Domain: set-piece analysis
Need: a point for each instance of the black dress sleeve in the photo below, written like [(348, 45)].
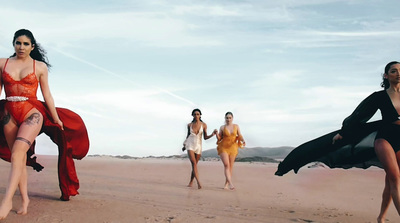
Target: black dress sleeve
[(364, 111), (356, 149)]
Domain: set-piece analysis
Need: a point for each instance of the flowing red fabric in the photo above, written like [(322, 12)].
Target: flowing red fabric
[(72, 142)]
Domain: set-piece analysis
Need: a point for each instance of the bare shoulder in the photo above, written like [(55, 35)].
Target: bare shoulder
[(41, 68), (2, 63), (204, 125)]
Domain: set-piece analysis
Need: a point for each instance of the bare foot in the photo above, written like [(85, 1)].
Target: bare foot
[(198, 186), (5, 209), (190, 184), (229, 187), (226, 187), (381, 220), (23, 210)]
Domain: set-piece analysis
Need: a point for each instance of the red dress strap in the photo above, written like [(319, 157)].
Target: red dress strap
[(34, 65), (5, 65)]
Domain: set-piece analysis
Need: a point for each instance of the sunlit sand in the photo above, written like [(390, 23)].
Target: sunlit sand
[(155, 190)]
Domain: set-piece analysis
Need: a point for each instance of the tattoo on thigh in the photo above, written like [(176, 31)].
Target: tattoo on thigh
[(24, 140), (6, 119), (33, 119)]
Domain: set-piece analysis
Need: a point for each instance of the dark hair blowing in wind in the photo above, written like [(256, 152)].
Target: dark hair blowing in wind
[(38, 53)]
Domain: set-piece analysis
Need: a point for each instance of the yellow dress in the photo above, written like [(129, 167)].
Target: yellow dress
[(229, 143)]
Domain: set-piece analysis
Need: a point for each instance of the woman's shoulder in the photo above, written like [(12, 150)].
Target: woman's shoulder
[(378, 94), (2, 62), (40, 66)]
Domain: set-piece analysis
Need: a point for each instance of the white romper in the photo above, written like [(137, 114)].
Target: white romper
[(193, 142)]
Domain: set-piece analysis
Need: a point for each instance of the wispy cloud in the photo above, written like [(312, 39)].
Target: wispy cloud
[(123, 78), (203, 11), (357, 34), (148, 28)]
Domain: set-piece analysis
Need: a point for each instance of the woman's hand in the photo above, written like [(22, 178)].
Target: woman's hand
[(215, 132), (60, 123), (336, 138)]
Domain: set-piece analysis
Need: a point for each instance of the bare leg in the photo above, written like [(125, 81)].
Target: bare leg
[(386, 200), (18, 155), (23, 188), (227, 170), (192, 175), (230, 171), (231, 162), (389, 160), (194, 159), (20, 143)]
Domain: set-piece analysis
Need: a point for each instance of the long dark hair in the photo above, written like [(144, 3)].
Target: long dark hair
[(38, 53), (385, 82), (196, 110)]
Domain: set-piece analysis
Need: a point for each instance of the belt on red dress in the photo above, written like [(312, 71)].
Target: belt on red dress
[(17, 98)]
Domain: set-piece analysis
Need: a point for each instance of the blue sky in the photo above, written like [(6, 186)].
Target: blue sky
[(134, 70)]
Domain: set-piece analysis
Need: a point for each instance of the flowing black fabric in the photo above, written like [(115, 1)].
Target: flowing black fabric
[(356, 150)]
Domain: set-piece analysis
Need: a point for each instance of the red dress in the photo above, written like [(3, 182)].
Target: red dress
[(73, 142)]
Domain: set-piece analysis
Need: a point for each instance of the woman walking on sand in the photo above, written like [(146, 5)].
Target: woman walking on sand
[(229, 138), (24, 117), (342, 148), (193, 143)]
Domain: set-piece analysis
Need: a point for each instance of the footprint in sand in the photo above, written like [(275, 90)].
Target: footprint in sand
[(302, 220), (169, 219), (153, 219), (47, 218), (211, 217)]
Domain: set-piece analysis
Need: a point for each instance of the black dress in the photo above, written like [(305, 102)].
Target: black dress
[(356, 149)]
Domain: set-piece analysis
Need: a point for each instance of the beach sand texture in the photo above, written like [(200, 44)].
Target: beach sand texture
[(155, 190)]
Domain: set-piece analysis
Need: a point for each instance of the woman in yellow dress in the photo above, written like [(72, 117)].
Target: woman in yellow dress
[(229, 140)]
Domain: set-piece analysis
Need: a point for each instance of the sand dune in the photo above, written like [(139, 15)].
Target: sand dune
[(154, 190)]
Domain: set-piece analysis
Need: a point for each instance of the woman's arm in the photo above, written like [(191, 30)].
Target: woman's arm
[(188, 133), (240, 136), (364, 111), (205, 136), (41, 69), (188, 130), (2, 63), (220, 134)]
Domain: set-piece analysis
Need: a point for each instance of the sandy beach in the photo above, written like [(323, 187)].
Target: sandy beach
[(155, 190)]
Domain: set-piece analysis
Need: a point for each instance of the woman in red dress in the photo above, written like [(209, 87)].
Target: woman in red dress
[(24, 118)]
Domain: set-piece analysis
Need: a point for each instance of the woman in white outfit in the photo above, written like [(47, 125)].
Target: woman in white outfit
[(192, 144)]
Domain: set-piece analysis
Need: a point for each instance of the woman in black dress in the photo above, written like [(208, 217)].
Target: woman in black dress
[(353, 146)]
